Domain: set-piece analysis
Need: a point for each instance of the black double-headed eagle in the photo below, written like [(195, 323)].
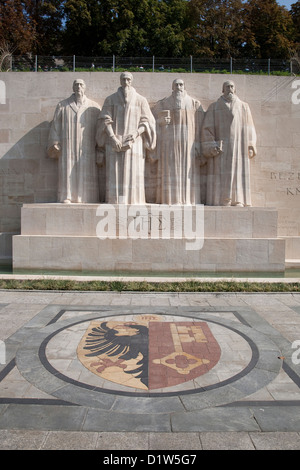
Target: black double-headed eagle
[(105, 340)]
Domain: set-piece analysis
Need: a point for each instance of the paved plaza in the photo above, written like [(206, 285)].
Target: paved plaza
[(149, 371)]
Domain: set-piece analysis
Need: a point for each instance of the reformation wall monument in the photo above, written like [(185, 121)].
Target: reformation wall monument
[(149, 172)]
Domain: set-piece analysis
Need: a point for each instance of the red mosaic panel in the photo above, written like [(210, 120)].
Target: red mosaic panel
[(180, 352)]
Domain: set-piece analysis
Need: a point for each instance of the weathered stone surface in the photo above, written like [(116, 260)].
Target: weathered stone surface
[(27, 175)]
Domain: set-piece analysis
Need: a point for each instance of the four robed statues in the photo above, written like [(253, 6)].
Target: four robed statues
[(186, 142)]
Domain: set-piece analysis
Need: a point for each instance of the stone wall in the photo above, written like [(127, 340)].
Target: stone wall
[(28, 101)]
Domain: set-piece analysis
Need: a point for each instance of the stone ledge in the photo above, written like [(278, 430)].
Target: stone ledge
[(148, 255), (292, 248), (82, 220), (292, 263)]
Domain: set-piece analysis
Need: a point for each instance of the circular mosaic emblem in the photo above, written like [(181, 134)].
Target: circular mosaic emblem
[(153, 354), (84, 359)]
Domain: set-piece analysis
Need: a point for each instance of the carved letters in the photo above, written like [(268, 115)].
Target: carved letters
[(285, 175), (288, 176)]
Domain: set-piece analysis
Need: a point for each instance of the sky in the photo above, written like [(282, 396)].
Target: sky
[(286, 3)]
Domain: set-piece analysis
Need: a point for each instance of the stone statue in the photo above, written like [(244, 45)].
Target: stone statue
[(179, 118), (126, 131), (228, 141), (72, 140)]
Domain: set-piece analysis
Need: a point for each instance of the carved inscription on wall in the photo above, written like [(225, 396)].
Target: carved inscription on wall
[(291, 177), (287, 227)]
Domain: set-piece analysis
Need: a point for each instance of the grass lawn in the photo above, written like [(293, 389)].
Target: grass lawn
[(145, 286)]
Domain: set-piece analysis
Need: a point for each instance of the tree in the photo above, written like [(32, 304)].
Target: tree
[(168, 29), (295, 52), (17, 31), (125, 27), (216, 28), (269, 30), (78, 35), (165, 28), (295, 12), (31, 26), (130, 26), (46, 17)]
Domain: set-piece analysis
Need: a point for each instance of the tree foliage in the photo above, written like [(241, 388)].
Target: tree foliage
[(17, 30), (295, 12), (270, 29), (216, 28), (125, 27), (165, 28)]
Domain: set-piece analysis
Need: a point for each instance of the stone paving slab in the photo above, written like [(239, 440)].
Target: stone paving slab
[(12, 439), (249, 403)]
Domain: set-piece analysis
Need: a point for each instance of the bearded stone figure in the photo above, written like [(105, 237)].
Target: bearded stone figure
[(72, 141), (179, 118), (126, 131), (228, 142)]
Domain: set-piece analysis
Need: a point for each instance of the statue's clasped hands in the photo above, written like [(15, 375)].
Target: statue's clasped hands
[(131, 138), (117, 143), (127, 140)]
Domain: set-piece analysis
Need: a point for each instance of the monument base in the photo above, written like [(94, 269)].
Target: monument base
[(149, 239), (292, 252), (6, 248)]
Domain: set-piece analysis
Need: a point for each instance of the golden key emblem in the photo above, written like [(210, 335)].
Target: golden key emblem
[(180, 360)]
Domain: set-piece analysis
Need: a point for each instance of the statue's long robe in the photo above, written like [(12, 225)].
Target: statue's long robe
[(74, 129), (177, 143), (125, 170), (228, 174)]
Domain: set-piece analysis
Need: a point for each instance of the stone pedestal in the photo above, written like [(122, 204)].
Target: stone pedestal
[(148, 239), (292, 252), (6, 248)]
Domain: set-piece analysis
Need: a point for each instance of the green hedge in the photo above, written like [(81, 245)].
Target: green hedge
[(145, 286)]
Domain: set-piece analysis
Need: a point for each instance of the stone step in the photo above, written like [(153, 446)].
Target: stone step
[(84, 253), (292, 263), (292, 245), (150, 220)]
